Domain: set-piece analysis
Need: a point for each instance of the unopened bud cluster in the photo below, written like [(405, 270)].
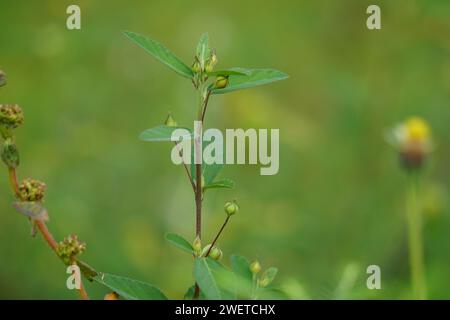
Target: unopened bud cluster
[(9, 153), (69, 248), (2, 78), (214, 252), (31, 190), (11, 116)]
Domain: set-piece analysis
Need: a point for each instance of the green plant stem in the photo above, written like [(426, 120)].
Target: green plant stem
[(217, 236), (415, 240)]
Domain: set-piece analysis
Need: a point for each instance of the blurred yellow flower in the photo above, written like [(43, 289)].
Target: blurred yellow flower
[(413, 140)]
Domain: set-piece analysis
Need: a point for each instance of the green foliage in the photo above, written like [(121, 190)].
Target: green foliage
[(220, 184), (256, 77), (231, 72), (203, 274), (130, 289), (161, 53), (241, 267), (179, 242), (161, 133), (203, 50)]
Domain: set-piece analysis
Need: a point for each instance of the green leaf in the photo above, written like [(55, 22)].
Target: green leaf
[(241, 267), (270, 274), (203, 50), (160, 52), (203, 274), (257, 77), (179, 242), (33, 210), (189, 295), (162, 133), (130, 289), (224, 183), (231, 72), (87, 270), (243, 277)]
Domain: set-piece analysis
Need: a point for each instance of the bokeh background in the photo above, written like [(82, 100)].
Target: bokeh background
[(338, 202)]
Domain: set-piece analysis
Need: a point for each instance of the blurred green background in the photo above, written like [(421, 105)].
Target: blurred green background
[(337, 204)]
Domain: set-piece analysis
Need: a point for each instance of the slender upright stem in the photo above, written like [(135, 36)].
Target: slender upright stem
[(217, 236), (415, 240)]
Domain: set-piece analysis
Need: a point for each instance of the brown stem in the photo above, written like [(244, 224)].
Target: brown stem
[(13, 181), (46, 234), (187, 170), (217, 236), (42, 227), (198, 202), (205, 105)]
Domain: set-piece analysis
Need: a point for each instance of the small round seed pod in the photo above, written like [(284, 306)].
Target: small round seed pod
[(221, 82), (255, 267), (31, 190), (231, 208), (11, 116), (216, 253), (10, 154)]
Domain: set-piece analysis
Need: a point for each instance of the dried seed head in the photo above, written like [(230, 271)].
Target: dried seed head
[(11, 116), (10, 154), (69, 248), (31, 190), (2, 78)]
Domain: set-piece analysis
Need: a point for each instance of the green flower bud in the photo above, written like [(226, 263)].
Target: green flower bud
[(231, 208), (69, 248), (211, 62), (216, 253), (255, 267), (31, 190), (196, 66), (10, 154), (11, 116), (2, 78), (221, 82), (197, 245), (170, 121)]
